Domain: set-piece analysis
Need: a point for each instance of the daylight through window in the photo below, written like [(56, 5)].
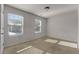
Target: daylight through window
[(15, 24), (37, 26)]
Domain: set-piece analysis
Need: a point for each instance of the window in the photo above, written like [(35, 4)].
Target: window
[(37, 26), (15, 24)]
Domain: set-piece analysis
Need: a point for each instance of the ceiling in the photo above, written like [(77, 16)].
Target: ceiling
[(38, 9)]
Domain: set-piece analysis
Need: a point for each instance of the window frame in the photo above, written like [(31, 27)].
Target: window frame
[(17, 34), (38, 25)]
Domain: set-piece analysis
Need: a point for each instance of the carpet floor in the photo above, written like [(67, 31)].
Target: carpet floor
[(41, 46)]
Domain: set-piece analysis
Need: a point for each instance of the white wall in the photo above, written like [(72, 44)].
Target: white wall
[(64, 26), (28, 27)]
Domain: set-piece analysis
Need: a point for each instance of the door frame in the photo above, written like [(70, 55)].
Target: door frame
[(2, 28)]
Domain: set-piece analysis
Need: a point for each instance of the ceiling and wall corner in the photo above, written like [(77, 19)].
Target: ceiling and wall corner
[(39, 9)]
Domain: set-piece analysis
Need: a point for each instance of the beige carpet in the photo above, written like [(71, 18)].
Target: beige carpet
[(51, 41), (31, 50), (69, 44), (40, 46), (47, 53), (64, 43)]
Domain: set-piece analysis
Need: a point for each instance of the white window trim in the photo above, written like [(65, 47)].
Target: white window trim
[(21, 25), (39, 25)]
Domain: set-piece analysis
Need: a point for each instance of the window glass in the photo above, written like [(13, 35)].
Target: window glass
[(37, 26), (15, 24)]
